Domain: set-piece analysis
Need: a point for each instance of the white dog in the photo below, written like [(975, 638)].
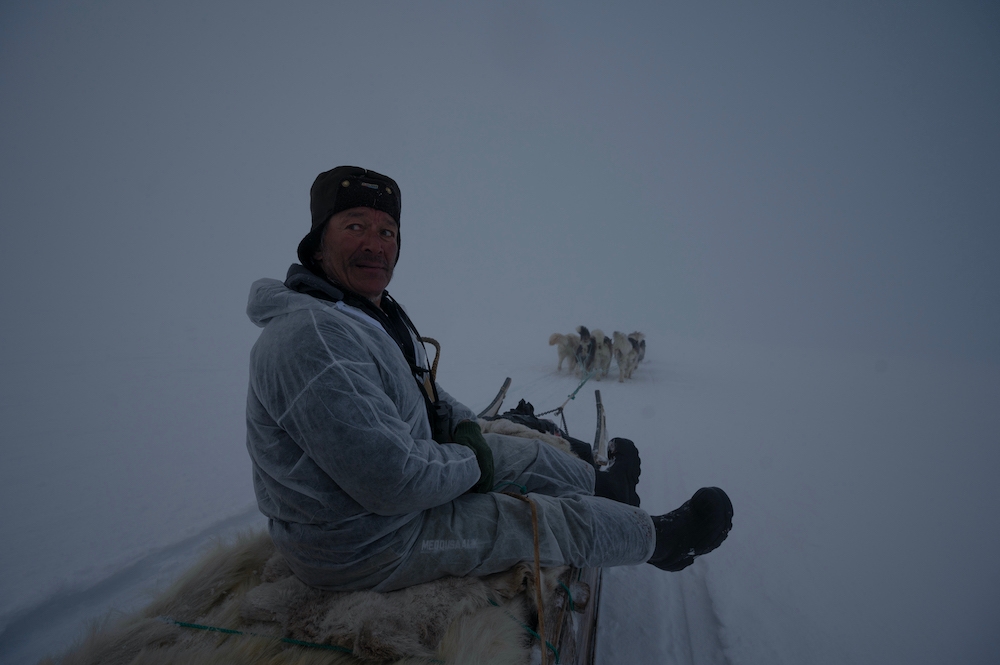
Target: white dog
[(626, 354), (593, 353), (566, 345)]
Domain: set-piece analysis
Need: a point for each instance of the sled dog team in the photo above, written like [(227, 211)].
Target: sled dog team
[(591, 351)]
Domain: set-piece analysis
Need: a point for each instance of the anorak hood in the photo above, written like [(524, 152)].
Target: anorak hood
[(270, 298)]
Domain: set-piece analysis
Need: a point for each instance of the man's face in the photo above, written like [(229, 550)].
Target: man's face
[(359, 250)]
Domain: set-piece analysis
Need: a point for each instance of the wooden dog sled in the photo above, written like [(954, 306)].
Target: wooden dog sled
[(241, 604)]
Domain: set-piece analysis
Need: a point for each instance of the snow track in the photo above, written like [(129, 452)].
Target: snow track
[(678, 624), (53, 625), (703, 640)]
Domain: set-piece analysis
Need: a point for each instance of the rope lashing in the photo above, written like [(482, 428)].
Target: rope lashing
[(538, 569), (562, 614), (569, 595)]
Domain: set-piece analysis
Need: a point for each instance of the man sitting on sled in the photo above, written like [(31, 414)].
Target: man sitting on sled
[(372, 476)]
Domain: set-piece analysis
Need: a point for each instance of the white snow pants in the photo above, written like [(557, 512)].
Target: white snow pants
[(480, 534)]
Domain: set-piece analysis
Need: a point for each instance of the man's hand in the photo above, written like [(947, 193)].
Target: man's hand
[(468, 434)]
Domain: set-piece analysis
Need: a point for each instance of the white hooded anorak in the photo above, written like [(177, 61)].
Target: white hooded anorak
[(337, 428)]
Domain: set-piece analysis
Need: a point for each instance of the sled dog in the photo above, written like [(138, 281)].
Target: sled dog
[(586, 351), (594, 353), (602, 353), (566, 345), (640, 340), (626, 350)]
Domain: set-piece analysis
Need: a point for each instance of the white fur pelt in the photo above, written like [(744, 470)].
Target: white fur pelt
[(246, 585), (502, 426), (566, 345)]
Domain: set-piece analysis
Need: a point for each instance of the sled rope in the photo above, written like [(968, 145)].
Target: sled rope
[(230, 631), (437, 356), (538, 570), (562, 613), (560, 410), (569, 595), (286, 640)]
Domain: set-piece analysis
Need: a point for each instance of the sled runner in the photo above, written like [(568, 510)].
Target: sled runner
[(601, 437), (494, 407), (242, 604)]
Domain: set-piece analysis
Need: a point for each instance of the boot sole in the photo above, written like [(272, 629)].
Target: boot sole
[(713, 506)]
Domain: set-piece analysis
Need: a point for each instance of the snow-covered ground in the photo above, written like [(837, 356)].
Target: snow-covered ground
[(863, 488)]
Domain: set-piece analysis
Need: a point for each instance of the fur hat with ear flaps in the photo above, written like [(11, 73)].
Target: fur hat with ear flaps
[(343, 188)]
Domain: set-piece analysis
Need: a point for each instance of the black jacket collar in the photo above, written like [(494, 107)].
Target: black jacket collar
[(305, 281)]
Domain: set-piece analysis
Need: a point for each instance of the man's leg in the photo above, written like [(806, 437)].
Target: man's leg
[(541, 468), (538, 467), (619, 479), (480, 534)]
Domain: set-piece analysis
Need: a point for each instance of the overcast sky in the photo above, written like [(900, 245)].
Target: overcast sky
[(786, 173)]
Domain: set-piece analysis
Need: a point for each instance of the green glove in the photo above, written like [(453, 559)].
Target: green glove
[(468, 434)]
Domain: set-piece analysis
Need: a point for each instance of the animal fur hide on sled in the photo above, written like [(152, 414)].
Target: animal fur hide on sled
[(247, 586), (503, 426)]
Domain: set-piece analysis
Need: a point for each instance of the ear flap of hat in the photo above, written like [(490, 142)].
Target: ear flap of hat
[(307, 248)]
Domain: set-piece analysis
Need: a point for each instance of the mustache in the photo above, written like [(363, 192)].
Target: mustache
[(369, 260)]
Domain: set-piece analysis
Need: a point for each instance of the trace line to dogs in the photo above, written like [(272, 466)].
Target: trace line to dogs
[(560, 410)]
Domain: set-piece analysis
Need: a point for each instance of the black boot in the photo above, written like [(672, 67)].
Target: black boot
[(619, 480), (696, 528)]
